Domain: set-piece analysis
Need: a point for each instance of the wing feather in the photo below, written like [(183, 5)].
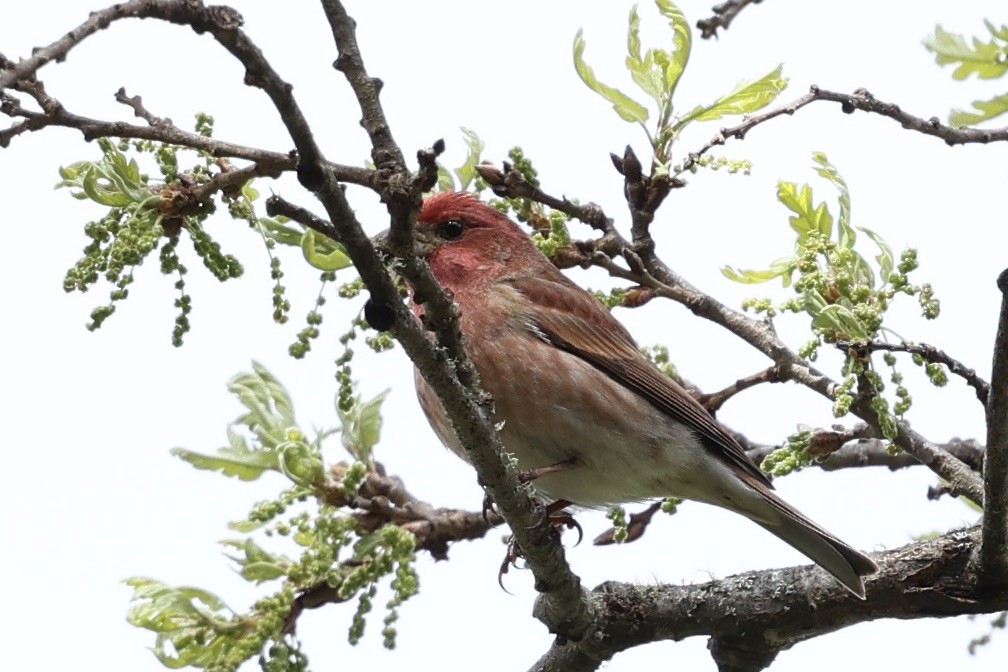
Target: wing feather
[(568, 319)]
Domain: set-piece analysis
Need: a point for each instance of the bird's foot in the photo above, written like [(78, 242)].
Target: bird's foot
[(558, 519)]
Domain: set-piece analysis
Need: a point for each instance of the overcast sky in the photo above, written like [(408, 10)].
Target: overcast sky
[(91, 495)]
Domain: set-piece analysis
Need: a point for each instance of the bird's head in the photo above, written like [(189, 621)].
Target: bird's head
[(465, 241)]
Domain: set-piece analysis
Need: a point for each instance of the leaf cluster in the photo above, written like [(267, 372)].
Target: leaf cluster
[(986, 59), (142, 215), (195, 627), (657, 73), (846, 295)]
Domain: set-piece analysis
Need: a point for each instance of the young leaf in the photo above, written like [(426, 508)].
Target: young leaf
[(807, 218), (683, 41), (1000, 33), (467, 171), (323, 253), (988, 109), (641, 68), (986, 60), (277, 229), (746, 97), (827, 170), (885, 258), (361, 426), (244, 465), (781, 268), (626, 107)]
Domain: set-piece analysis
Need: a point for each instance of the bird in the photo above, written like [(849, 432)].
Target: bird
[(575, 400)]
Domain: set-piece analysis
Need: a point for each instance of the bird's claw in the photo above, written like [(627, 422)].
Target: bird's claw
[(488, 506), (559, 518)]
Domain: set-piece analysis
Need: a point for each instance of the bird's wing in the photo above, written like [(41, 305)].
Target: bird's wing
[(570, 319)]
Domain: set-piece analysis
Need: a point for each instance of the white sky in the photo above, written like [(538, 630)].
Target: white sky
[(91, 495)]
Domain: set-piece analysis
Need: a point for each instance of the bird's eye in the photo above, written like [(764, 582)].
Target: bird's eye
[(450, 229)]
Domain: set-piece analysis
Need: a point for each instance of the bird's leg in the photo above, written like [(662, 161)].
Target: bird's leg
[(554, 513), (635, 528), (529, 475)]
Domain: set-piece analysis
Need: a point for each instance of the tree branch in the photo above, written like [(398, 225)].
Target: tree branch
[(859, 100), (715, 400), (994, 545), (930, 354), (55, 113), (447, 368), (724, 14), (871, 452), (772, 610), (277, 205)]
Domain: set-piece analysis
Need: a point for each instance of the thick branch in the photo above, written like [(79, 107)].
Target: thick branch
[(771, 610), (994, 547), (446, 368)]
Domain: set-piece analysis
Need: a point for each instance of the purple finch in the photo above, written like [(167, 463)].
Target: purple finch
[(576, 397)]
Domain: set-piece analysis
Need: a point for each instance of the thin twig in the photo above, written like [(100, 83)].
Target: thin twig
[(713, 401), (724, 14), (859, 100), (931, 354), (135, 103), (277, 205), (994, 543), (55, 113)]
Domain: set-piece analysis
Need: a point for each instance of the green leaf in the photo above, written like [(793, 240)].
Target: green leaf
[(105, 194), (641, 68), (626, 107), (277, 229), (988, 109), (1000, 33), (258, 565), (745, 98), (466, 173), (807, 218), (986, 60), (885, 258), (781, 268), (249, 192), (361, 426), (837, 318), (682, 38), (846, 235), (445, 179), (244, 465), (323, 252)]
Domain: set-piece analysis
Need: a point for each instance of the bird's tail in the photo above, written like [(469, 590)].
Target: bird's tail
[(847, 564)]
